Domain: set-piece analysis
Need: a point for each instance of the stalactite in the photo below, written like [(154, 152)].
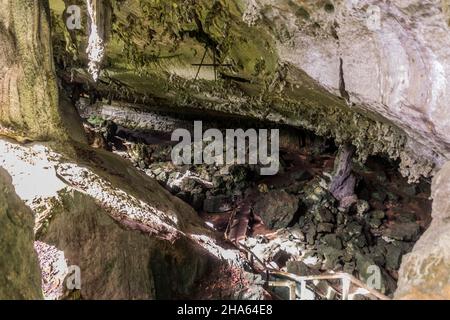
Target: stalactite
[(342, 185), (95, 49)]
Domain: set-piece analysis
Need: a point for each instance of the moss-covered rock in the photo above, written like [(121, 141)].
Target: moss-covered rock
[(29, 98), (20, 276), (152, 45), (117, 262)]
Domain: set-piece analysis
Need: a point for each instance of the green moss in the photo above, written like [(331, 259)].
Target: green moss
[(150, 36), (37, 117), (151, 43), (20, 276), (96, 121), (301, 12)]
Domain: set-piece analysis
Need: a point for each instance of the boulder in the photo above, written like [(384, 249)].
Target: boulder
[(393, 256), (369, 272), (358, 241), (362, 207), (325, 227), (378, 254), (377, 214), (332, 241), (128, 237), (331, 256), (374, 218), (408, 231), (311, 232), (323, 215), (353, 229), (319, 202), (379, 195), (276, 208)]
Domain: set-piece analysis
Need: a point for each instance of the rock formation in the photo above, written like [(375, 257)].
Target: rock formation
[(20, 276), (424, 272), (355, 85)]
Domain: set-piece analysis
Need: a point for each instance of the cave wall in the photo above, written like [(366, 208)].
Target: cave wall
[(320, 65), (28, 88), (424, 273), (32, 110), (117, 262), (409, 122), (129, 237), (20, 275), (388, 57)]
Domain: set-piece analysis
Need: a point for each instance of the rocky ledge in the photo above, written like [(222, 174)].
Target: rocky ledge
[(127, 240)]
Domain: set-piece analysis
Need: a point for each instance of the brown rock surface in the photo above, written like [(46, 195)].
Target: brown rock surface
[(19, 268), (424, 273), (117, 262)]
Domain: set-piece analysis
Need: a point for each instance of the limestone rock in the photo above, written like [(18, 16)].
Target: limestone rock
[(403, 231), (325, 227), (332, 240), (117, 262), (130, 238), (20, 275), (384, 59), (331, 256), (276, 208), (362, 206), (375, 60), (393, 256), (423, 273)]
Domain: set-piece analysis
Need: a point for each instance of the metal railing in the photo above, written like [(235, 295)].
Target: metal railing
[(290, 280), (347, 280)]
